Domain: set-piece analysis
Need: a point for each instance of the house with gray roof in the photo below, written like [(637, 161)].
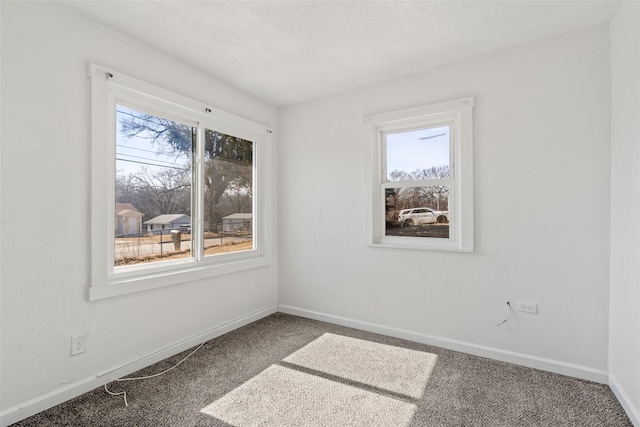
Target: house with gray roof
[(167, 222), (237, 221)]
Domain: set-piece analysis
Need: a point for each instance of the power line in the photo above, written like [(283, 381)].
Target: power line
[(151, 160), (159, 122), (138, 149), (434, 136), (151, 164)]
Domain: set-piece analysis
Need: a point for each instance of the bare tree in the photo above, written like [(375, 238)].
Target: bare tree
[(239, 195), (432, 196), (156, 192)]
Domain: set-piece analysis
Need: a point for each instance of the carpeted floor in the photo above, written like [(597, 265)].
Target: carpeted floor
[(289, 371)]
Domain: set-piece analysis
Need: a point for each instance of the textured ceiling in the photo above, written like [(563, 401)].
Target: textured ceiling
[(289, 51)]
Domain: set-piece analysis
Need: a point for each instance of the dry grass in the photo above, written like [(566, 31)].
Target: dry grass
[(229, 247), (211, 250)]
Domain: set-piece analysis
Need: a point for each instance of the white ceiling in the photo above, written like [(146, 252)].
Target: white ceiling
[(289, 51)]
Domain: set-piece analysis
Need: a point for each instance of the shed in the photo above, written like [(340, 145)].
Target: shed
[(128, 220)]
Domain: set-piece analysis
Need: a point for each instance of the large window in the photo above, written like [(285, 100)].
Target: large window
[(177, 188), (420, 177)]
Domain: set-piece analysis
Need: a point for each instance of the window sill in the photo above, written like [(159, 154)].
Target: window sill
[(129, 285), (430, 246)]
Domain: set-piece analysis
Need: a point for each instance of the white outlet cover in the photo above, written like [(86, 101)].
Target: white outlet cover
[(78, 344), (528, 307)]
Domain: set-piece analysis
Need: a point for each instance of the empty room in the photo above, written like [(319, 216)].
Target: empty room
[(320, 213)]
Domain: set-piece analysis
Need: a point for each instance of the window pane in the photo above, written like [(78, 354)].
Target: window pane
[(418, 154), (228, 194), (417, 211), (154, 158)]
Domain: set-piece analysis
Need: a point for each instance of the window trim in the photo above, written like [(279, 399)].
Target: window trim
[(106, 84), (458, 113)]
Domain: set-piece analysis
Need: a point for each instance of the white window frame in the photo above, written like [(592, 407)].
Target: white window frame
[(108, 87), (458, 115)]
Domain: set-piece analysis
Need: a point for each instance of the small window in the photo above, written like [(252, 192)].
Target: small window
[(421, 186), (178, 188)]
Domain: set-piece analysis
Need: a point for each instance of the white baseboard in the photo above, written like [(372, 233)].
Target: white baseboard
[(527, 360), (56, 397), (632, 410)]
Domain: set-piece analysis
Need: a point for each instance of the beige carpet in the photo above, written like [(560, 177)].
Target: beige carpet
[(284, 397), (395, 369), (296, 395)]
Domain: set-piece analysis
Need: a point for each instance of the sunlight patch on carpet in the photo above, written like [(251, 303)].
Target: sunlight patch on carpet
[(390, 368), (284, 397)]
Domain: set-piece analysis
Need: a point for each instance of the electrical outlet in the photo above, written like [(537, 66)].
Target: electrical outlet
[(528, 307), (78, 344)]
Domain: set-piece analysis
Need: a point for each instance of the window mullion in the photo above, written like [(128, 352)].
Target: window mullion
[(199, 196)]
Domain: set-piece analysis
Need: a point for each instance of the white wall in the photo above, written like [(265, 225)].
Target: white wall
[(45, 182), (624, 327), (542, 194), (542, 190)]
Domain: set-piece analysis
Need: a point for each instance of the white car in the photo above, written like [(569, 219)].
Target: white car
[(419, 216)]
